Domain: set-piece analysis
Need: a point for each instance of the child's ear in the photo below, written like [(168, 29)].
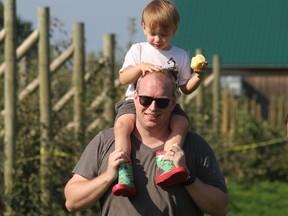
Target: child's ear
[(143, 26)]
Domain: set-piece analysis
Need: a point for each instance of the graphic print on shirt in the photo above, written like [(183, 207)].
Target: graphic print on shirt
[(172, 68)]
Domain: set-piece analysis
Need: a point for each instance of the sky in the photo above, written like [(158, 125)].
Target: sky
[(99, 17)]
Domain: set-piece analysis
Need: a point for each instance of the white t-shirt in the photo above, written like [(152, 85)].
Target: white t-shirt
[(145, 53)]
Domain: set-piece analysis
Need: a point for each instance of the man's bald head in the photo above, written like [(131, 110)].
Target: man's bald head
[(164, 77)]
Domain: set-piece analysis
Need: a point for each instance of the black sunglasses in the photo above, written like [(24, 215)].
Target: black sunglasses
[(161, 103)]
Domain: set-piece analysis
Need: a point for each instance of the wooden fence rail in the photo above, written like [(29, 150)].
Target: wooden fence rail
[(23, 48), (60, 60)]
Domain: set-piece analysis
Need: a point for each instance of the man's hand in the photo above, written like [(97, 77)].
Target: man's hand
[(115, 159), (176, 155)]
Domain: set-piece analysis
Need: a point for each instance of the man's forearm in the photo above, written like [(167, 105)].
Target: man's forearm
[(209, 198), (82, 193)]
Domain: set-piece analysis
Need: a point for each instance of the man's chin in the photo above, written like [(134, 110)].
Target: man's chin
[(151, 124), (151, 118)]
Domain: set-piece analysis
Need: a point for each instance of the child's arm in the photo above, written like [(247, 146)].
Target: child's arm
[(131, 74), (179, 126), (192, 84), (198, 64)]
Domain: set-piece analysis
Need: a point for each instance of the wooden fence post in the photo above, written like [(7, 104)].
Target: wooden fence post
[(280, 112), (9, 100), (258, 113), (108, 53), (225, 110), (78, 82), (272, 111), (233, 112), (45, 109), (200, 101), (253, 105), (216, 66), (286, 117), (200, 92)]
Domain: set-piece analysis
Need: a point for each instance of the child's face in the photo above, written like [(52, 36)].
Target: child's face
[(157, 37)]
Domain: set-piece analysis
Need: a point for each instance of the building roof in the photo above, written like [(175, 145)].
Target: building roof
[(246, 33)]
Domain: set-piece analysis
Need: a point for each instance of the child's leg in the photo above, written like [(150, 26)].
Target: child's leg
[(179, 126), (123, 128), (168, 174)]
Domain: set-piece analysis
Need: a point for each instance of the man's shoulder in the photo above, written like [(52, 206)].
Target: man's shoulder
[(103, 139), (195, 143), (103, 135), (196, 138), (108, 132), (193, 134)]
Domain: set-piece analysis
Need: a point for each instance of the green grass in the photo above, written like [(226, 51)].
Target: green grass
[(258, 199)]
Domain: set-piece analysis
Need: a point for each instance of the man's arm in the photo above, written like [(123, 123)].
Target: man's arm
[(81, 193), (208, 198)]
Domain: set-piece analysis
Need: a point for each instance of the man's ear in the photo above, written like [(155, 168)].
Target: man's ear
[(174, 102), (135, 96)]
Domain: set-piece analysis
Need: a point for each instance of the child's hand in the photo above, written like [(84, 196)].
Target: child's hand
[(198, 63), (146, 67)]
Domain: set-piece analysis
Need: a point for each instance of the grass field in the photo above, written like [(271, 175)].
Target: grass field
[(258, 199)]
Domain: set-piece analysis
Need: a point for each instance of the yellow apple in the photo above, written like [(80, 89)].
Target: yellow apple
[(197, 61)]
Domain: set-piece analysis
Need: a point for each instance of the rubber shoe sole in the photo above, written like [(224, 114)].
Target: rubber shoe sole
[(123, 190), (175, 176)]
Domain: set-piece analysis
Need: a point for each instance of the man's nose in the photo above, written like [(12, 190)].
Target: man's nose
[(153, 105)]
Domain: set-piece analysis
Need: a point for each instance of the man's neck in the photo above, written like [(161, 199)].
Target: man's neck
[(151, 138)]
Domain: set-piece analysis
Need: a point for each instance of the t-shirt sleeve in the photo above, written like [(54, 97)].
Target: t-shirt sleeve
[(131, 58), (202, 160), (88, 165)]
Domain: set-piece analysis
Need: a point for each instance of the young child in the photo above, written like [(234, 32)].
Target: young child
[(160, 21)]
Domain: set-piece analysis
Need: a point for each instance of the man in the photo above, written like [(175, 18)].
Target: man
[(96, 172)]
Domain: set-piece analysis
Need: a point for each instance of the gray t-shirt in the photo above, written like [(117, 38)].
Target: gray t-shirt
[(150, 199)]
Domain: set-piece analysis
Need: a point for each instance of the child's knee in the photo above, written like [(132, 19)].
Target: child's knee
[(125, 122)]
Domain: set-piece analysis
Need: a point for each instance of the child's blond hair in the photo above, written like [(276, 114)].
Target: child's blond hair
[(161, 14)]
